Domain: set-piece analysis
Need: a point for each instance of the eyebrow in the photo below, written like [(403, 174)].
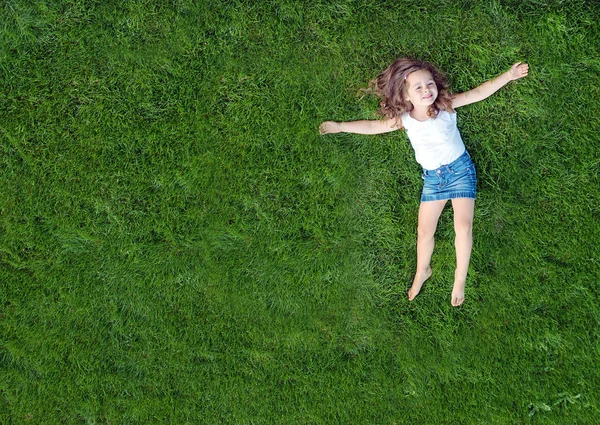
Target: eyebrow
[(428, 81)]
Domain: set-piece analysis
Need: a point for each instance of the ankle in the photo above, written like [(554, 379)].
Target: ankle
[(424, 270)]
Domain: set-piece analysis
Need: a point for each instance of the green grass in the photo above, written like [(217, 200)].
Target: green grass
[(179, 245)]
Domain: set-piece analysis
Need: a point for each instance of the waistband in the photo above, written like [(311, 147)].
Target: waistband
[(463, 157)]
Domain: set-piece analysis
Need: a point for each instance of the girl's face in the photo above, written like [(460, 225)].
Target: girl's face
[(421, 89)]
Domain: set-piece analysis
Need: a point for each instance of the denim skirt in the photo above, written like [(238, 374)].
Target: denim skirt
[(455, 180)]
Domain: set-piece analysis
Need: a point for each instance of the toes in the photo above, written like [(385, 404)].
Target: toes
[(456, 301)]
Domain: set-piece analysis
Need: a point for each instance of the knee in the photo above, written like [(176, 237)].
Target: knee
[(463, 227), (424, 232)]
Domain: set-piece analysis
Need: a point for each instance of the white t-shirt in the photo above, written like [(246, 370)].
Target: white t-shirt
[(436, 141)]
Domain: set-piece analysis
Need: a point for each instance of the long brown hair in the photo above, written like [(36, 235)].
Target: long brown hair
[(391, 87)]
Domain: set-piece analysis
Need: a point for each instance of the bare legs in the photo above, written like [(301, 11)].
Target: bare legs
[(429, 214), (463, 227)]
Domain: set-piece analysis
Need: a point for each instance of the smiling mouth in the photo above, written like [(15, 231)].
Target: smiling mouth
[(428, 97)]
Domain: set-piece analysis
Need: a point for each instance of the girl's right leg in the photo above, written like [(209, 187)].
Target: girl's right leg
[(429, 214)]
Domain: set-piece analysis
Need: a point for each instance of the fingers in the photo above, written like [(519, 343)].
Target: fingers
[(523, 71), (519, 70), (524, 68)]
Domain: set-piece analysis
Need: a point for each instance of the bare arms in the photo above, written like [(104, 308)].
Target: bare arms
[(360, 127), (485, 90)]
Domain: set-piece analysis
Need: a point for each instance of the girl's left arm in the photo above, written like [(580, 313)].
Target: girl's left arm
[(518, 70)]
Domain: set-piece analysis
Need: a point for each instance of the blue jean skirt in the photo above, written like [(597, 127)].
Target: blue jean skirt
[(455, 180)]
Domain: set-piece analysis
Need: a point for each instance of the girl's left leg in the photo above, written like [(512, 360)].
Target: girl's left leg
[(463, 226)]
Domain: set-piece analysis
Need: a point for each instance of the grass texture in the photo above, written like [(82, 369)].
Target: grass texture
[(179, 245)]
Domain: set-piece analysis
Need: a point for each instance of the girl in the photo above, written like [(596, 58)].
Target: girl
[(414, 97)]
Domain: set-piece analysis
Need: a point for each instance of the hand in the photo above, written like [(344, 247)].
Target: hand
[(518, 70), (329, 127)]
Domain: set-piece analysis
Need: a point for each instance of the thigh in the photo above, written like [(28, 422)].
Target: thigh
[(464, 209), (429, 214)]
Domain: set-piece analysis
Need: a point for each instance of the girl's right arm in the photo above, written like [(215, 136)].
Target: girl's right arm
[(361, 127)]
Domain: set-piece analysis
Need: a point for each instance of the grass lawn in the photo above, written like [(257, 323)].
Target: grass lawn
[(179, 245)]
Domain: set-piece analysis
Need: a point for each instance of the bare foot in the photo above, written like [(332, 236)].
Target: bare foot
[(458, 293), (418, 282)]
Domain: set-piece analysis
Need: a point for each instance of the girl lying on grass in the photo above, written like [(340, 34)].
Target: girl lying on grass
[(415, 97)]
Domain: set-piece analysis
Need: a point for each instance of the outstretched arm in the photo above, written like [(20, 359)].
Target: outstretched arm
[(518, 70), (360, 127)]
